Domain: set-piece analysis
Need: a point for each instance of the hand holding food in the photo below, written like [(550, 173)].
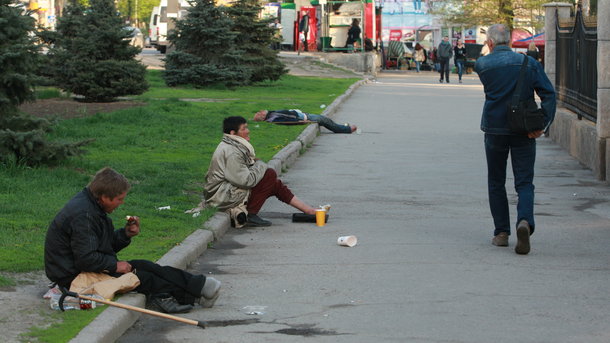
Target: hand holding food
[(132, 228)]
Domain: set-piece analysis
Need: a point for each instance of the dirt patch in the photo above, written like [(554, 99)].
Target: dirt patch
[(69, 108), (22, 306)]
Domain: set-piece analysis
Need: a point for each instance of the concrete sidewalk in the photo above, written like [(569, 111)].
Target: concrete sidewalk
[(412, 187)]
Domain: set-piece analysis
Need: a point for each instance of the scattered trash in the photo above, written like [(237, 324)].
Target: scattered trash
[(51, 292), (322, 106), (164, 208), (257, 126), (325, 207), (255, 313), (574, 194), (254, 310), (347, 241), (358, 131), (196, 214), (284, 291)]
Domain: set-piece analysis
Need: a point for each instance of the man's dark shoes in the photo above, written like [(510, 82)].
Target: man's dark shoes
[(169, 304), (523, 238), (209, 292), (254, 220), (500, 240)]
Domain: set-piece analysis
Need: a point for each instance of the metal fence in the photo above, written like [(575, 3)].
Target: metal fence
[(576, 66)]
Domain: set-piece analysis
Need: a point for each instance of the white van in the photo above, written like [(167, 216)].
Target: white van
[(153, 26), (158, 23)]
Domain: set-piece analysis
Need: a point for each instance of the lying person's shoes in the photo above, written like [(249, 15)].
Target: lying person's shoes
[(254, 220), (169, 304), (209, 292)]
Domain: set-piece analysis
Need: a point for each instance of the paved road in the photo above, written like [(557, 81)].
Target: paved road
[(411, 187)]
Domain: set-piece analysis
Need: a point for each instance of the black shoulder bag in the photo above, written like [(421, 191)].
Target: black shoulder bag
[(524, 116)]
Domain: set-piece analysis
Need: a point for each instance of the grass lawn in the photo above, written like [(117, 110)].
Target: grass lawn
[(163, 148)]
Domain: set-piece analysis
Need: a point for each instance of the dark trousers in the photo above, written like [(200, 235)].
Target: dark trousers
[(522, 156), (156, 279), (269, 186), (444, 68)]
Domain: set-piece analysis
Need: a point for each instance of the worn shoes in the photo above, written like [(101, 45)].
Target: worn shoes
[(500, 240), (168, 304), (523, 238), (209, 292), (254, 220)]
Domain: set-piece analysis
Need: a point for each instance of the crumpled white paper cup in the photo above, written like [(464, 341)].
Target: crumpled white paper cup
[(347, 241)]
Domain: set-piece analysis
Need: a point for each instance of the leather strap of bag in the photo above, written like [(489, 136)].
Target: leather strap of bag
[(517, 93)]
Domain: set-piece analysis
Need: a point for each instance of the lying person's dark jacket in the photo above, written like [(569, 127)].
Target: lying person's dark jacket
[(274, 116), (82, 238)]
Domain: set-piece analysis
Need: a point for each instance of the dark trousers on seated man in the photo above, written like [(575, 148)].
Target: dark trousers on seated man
[(269, 186)]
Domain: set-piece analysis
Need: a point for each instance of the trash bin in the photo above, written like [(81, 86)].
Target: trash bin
[(326, 43)]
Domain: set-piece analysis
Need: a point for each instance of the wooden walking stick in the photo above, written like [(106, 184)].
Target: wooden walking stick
[(66, 293)]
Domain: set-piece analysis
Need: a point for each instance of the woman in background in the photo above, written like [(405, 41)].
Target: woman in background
[(459, 51)]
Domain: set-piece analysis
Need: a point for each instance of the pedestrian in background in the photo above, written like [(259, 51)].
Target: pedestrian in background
[(433, 56), (420, 56), (460, 58), (484, 49), (353, 35), (277, 34), (532, 51), (499, 74), (445, 52)]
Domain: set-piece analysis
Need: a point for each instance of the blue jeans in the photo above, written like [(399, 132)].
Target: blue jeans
[(460, 67), (523, 155), (329, 123), (417, 65)]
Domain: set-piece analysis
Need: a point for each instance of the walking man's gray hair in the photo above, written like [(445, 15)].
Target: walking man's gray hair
[(498, 34)]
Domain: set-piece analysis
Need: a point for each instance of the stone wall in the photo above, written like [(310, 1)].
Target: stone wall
[(587, 141), (363, 62)]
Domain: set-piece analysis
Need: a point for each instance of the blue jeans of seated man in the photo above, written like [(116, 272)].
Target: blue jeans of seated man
[(523, 156), (460, 67), (329, 123)]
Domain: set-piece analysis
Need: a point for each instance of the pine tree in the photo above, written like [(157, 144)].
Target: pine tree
[(22, 137), (92, 56), (205, 51), (17, 56), (255, 38)]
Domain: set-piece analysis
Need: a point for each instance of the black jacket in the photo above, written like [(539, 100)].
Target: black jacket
[(81, 238)]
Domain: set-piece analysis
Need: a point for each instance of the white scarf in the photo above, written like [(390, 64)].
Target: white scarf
[(242, 144)]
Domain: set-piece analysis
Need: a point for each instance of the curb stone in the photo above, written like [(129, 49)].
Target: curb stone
[(112, 323)]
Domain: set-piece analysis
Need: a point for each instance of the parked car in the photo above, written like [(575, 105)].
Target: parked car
[(137, 38)]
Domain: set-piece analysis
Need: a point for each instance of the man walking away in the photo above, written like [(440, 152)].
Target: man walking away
[(499, 73)]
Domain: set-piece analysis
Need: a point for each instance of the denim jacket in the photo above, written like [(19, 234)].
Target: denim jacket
[(499, 73)]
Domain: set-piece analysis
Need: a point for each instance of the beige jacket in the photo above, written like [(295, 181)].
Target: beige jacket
[(232, 173)]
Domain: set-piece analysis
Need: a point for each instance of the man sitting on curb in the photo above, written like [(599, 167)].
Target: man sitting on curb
[(239, 183), (297, 116), (82, 238)]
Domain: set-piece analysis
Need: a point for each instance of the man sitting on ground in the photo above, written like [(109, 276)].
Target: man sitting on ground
[(297, 116), (239, 183), (82, 238)]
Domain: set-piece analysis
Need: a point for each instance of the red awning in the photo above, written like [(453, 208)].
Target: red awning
[(521, 38)]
